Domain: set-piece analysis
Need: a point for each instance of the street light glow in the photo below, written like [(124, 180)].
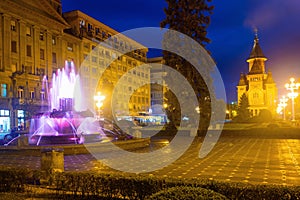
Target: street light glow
[(292, 86), (282, 105), (99, 102)]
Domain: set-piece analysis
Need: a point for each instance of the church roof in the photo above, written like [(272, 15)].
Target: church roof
[(256, 68), (270, 79), (243, 80), (256, 50)]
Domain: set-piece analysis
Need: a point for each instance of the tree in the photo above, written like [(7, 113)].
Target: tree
[(243, 113), (190, 17)]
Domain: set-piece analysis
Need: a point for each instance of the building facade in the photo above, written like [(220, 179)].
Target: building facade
[(257, 84), (113, 62), (37, 39)]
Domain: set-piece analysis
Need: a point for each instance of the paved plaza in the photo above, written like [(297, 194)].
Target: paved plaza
[(235, 159)]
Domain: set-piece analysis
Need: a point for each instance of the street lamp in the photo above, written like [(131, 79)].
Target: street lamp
[(283, 104), (99, 102), (292, 87)]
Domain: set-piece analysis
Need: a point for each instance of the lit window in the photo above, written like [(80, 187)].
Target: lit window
[(42, 36), (3, 90), (20, 93), (82, 23), (21, 113)]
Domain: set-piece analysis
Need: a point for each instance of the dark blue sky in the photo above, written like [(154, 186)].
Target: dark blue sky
[(231, 32)]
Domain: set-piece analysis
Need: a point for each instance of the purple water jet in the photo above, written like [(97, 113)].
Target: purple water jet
[(66, 121)]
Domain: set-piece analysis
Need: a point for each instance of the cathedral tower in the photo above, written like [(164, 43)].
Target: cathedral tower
[(257, 84)]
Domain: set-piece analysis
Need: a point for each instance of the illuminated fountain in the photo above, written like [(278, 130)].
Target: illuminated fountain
[(64, 122)]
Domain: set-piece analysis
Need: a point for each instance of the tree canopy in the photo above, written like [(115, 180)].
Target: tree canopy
[(190, 17)]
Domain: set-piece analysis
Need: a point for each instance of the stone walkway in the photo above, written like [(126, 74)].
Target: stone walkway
[(252, 160)]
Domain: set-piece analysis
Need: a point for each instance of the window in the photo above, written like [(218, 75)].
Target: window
[(32, 95), (41, 35), (3, 90), (94, 59), (82, 23), (70, 46), (20, 93), (41, 71), (97, 31), (28, 50), (90, 27), (14, 46), (28, 30), (42, 54), (103, 34), (53, 40), (53, 57), (21, 119), (13, 25)]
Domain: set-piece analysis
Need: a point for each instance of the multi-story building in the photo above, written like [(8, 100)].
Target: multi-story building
[(257, 84), (37, 39), (116, 65)]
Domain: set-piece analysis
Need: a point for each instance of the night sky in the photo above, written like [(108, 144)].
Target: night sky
[(231, 32)]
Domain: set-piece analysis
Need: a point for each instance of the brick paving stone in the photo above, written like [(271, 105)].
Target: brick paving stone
[(252, 160)]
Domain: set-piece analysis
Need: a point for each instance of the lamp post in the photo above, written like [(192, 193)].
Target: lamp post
[(283, 104), (292, 86), (99, 102)]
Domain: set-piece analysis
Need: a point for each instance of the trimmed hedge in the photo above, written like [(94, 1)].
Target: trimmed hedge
[(87, 185), (187, 193)]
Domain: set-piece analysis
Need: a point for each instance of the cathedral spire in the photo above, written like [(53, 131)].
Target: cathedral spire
[(256, 50)]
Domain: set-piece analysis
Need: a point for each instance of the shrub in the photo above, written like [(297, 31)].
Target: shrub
[(186, 193)]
